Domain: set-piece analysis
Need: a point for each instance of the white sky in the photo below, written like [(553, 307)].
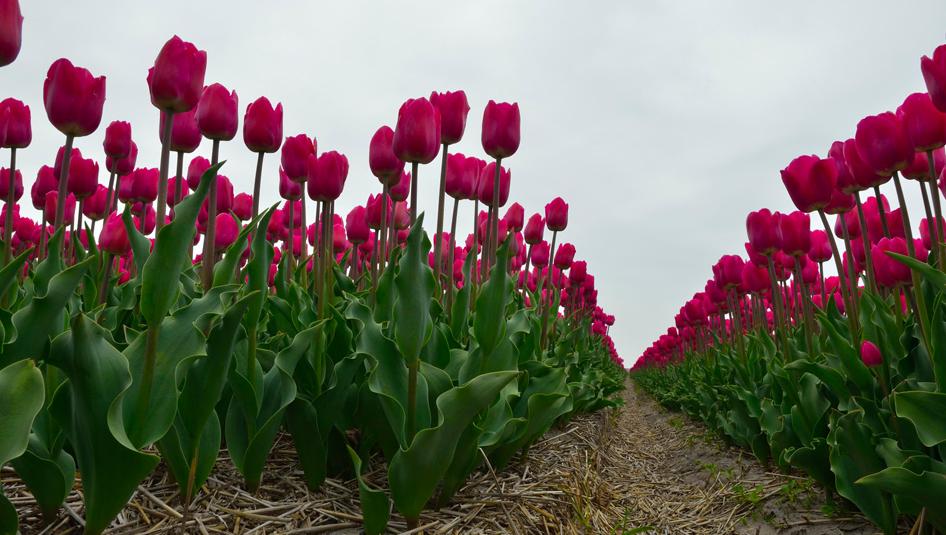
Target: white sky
[(662, 124)]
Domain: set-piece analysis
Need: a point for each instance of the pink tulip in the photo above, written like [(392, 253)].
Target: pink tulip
[(217, 113), (19, 130), (196, 169), (113, 238), (374, 209), (295, 156), (919, 169), (810, 182), (83, 177), (177, 78), (46, 182), (756, 258), (400, 191), (487, 182), (514, 217), (145, 221), (794, 233), (564, 256), (840, 203), (5, 185), (262, 126), (500, 134), (11, 31), (820, 247), (883, 144), (243, 206), (355, 224), (296, 221), (924, 124), (890, 272), (534, 229), (453, 109), (117, 140), (846, 183), (402, 217), (381, 159), (339, 242), (556, 215), (540, 254), (417, 133), (287, 188), (762, 229), (73, 98), (755, 279), (225, 233), (934, 73), (327, 175), (728, 272), (924, 231), (49, 210), (185, 134), (124, 166), (144, 184), (94, 207), (462, 176), (870, 354), (864, 175), (171, 191)]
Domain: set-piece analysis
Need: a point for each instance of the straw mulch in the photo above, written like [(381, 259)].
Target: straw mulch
[(601, 471)]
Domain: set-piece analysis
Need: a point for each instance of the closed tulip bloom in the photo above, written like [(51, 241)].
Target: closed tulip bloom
[(94, 207), (381, 159), (810, 182), (295, 156), (217, 113), (556, 215), (794, 232), (895, 223), (417, 133), (327, 175), (864, 175), (870, 354), (540, 254), (196, 169), (171, 187), (113, 238), (83, 177), (846, 183), (728, 272), (840, 203), (374, 210), (356, 225), (461, 176), (500, 134), (296, 221), (287, 188), (883, 144), (564, 256), (60, 156), (922, 254), (73, 98), (367, 248), (185, 134), (820, 247), (46, 182), (934, 73), (262, 126), (924, 124), (144, 185), (453, 109), (11, 31), (5, 185), (762, 229), (124, 166), (243, 206), (487, 181), (226, 232), (402, 216), (889, 272), (18, 122), (25, 229), (224, 194), (919, 169), (49, 209), (534, 229), (924, 231), (755, 279), (578, 272), (400, 191), (276, 228), (339, 242), (118, 140), (756, 258), (693, 312), (177, 78), (514, 217)]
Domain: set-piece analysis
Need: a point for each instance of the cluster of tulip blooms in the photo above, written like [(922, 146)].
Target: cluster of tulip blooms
[(113, 342), (793, 336)]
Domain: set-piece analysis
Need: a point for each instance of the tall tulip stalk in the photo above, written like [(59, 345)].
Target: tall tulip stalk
[(453, 109)]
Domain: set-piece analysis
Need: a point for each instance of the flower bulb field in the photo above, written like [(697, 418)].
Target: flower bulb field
[(411, 339)]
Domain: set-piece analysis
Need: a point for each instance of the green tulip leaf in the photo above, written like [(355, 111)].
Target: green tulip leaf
[(925, 410), (415, 287), (374, 503), (460, 314), (48, 476), (489, 322), (21, 399)]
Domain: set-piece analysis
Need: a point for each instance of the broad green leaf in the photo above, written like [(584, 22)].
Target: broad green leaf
[(460, 315), (489, 322), (375, 506), (415, 287), (21, 398), (926, 410)]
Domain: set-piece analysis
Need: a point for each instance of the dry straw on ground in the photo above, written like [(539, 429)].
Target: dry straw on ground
[(626, 468)]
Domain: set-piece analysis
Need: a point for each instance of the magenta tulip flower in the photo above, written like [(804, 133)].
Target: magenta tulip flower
[(96, 207), (794, 233), (870, 354), (540, 254), (114, 239), (243, 206), (117, 140), (11, 31), (514, 217), (356, 225), (564, 256), (453, 108), (195, 170), (381, 158), (124, 166), (534, 229), (810, 182), (461, 176), (73, 98), (5, 185), (924, 124), (83, 177), (934, 73), (17, 122), (262, 126), (217, 113), (882, 142), (177, 79), (295, 156), (226, 232), (556, 215), (762, 229), (500, 134), (418, 131), (327, 175), (486, 184), (185, 134), (287, 188)]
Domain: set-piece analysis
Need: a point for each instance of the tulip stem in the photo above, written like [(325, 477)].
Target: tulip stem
[(63, 180), (474, 250), (179, 178), (256, 184), (412, 399), (882, 211), (737, 328), (108, 194), (413, 192), (865, 241), (803, 288), (546, 305), (451, 260), (851, 273), (303, 245), (911, 248), (851, 320), (438, 239), (937, 209), (106, 272), (165, 166), (487, 246), (207, 260), (494, 241), (8, 222), (290, 243), (383, 230), (147, 377)]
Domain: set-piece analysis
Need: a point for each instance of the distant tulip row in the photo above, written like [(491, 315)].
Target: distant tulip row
[(438, 355), (843, 377)]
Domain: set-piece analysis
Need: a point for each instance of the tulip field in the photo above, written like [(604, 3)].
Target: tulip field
[(193, 321), (841, 378)]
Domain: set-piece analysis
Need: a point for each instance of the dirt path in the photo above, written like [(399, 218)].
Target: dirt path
[(605, 473)]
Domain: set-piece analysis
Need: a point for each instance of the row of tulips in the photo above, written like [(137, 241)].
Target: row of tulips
[(842, 377), (119, 350)]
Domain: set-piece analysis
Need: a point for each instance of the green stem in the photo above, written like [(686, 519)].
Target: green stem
[(63, 179), (413, 192), (438, 241), (147, 378), (851, 321), (937, 209), (920, 302), (865, 241), (207, 259), (165, 167), (412, 398), (179, 178), (545, 302), (8, 223)]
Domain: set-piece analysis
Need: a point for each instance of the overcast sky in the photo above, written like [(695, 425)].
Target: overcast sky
[(661, 124)]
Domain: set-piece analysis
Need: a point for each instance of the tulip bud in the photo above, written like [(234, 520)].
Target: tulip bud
[(556, 215), (339, 242), (49, 209), (113, 238), (889, 272), (295, 156), (851, 221), (514, 217), (73, 98), (355, 224), (287, 188), (883, 144), (402, 217), (46, 181), (262, 126), (540, 254), (60, 156), (117, 140), (11, 31), (296, 220), (846, 183), (534, 229), (870, 354), (5, 185), (487, 182), (171, 185), (925, 231), (327, 175), (226, 231), (924, 124), (374, 209), (453, 109), (224, 195), (94, 207), (564, 256), (83, 177), (934, 73), (124, 166), (417, 133), (217, 113), (810, 182), (840, 203), (19, 130), (461, 176), (794, 232), (500, 134), (243, 206), (400, 191), (381, 159), (919, 169), (863, 174), (728, 272), (144, 184), (762, 229), (578, 272), (196, 169), (177, 78), (146, 218), (185, 134), (820, 247)]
